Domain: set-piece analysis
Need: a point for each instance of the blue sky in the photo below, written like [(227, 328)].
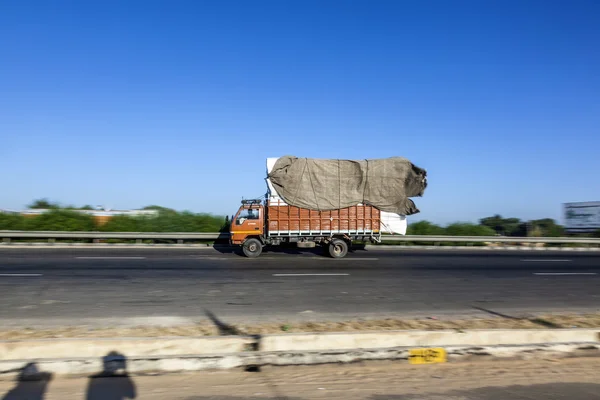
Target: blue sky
[(179, 103)]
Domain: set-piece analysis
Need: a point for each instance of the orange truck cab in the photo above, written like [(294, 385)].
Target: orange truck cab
[(257, 224), (247, 227)]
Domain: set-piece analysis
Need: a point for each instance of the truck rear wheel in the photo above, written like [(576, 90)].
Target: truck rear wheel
[(252, 248), (338, 248)]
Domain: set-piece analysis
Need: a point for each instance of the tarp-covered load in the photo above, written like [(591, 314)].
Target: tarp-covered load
[(328, 184)]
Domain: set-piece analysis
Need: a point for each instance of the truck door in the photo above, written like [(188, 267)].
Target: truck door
[(248, 222)]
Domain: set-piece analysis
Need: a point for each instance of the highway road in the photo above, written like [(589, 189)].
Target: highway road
[(124, 286)]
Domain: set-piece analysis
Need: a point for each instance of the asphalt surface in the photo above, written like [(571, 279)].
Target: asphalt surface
[(125, 287)]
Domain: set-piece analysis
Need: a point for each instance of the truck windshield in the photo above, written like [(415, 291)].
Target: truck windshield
[(246, 214)]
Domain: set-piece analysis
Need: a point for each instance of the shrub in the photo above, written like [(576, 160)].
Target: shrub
[(59, 220), (424, 228), (165, 222), (12, 222), (466, 229)]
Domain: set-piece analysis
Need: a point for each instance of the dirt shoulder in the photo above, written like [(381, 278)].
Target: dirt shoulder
[(556, 321), (574, 379)]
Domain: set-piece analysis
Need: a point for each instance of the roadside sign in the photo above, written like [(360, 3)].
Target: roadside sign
[(427, 356), (582, 216)]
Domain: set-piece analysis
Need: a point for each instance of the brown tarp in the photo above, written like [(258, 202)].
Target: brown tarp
[(328, 184)]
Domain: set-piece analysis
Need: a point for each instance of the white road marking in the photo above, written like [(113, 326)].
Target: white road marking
[(548, 260), (345, 259), (565, 273), (225, 258), (21, 275), (111, 258), (295, 257), (311, 274)]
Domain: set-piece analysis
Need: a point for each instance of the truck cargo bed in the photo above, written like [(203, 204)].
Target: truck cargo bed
[(286, 220)]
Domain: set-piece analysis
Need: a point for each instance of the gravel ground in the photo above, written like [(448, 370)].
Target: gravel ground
[(567, 379), (207, 329)]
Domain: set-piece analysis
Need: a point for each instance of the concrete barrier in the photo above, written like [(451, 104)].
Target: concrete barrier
[(146, 347), (171, 364), (175, 354), (323, 341)]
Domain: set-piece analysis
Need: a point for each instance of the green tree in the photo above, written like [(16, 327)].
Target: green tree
[(503, 226), (43, 204), (165, 222), (521, 230), (424, 228), (60, 220), (495, 222), (226, 225), (546, 227), (467, 229), (11, 222)]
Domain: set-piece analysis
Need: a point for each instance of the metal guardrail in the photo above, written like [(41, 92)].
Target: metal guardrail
[(112, 235), (7, 236), (490, 239)]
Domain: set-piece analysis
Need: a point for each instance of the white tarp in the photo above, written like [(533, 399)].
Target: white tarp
[(393, 223), (272, 193)]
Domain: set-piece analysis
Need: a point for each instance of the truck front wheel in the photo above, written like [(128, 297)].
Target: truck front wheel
[(338, 248), (252, 248)]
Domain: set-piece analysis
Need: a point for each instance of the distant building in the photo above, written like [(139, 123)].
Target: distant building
[(102, 216), (3, 211)]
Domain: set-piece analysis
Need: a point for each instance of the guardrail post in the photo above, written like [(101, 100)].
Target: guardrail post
[(96, 241), (179, 241), (51, 240), (138, 241), (6, 240)]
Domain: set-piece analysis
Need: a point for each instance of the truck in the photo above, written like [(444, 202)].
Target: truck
[(271, 222)]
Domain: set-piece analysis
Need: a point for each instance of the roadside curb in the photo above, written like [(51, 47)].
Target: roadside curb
[(177, 354)]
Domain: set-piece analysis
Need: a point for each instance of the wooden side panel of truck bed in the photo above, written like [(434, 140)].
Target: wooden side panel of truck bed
[(290, 220)]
